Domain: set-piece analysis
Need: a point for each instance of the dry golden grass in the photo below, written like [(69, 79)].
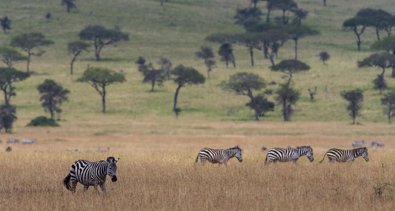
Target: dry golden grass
[(157, 172)]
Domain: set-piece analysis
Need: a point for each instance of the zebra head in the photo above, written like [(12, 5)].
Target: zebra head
[(237, 153), (363, 152), (308, 151), (112, 168)]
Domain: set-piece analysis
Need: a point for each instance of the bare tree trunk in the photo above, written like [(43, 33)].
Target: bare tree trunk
[(103, 99), (296, 49), (324, 2), (175, 109), (29, 55), (251, 55), (378, 34)]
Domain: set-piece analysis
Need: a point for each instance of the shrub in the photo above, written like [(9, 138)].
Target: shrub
[(43, 122)]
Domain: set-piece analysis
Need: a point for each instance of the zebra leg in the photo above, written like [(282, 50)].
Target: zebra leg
[(86, 188), (73, 185), (103, 187)]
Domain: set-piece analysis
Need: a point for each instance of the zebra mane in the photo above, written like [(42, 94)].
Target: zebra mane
[(236, 147)]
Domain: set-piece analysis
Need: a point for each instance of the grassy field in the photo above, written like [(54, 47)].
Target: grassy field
[(157, 172), (157, 151)]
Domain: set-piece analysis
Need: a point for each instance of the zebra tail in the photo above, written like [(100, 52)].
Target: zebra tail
[(197, 158), (323, 158), (66, 182)]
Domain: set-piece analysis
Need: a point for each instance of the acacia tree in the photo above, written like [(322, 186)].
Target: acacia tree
[(381, 60), (297, 32), (151, 75), (8, 76), (10, 55), (52, 96), (290, 67), (76, 48), (29, 41), (69, 4), (287, 97), (99, 79), (355, 99), (5, 23), (378, 19), (101, 37), (7, 117), (226, 53), (248, 17), (388, 100), (182, 77), (284, 6), (324, 56), (272, 40), (245, 84), (386, 44), (207, 54), (165, 65), (356, 25)]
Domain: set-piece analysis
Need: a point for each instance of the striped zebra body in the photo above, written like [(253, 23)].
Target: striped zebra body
[(220, 156), (91, 174), (288, 154), (340, 155)]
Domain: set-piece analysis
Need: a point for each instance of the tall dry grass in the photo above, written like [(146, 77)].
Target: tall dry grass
[(159, 173)]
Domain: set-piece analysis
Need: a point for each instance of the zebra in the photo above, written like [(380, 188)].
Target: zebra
[(340, 155), (91, 174), (288, 154), (358, 144), (220, 156)]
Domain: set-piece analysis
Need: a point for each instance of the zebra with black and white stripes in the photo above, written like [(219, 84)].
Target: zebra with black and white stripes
[(288, 154), (91, 174), (341, 155), (220, 156)]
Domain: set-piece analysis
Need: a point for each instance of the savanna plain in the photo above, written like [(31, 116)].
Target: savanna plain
[(157, 151)]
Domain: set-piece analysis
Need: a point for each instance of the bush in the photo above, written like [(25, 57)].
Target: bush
[(43, 121)]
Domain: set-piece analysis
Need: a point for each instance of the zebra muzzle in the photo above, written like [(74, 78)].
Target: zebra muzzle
[(114, 178)]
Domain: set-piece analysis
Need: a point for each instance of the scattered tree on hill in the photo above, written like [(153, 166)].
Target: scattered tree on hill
[(358, 26), (5, 23), (290, 67), (381, 60), (151, 75), (165, 65), (101, 37), (251, 41), (272, 40), (226, 53), (324, 56), (52, 96), (300, 15), (99, 79), (380, 83), (355, 99), (7, 117), (182, 77), (248, 17), (207, 54), (8, 76), (287, 97), (386, 44), (10, 55), (297, 32), (69, 4), (245, 84), (76, 48), (389, 101), (378, 19), (285, 6), (29, 41)]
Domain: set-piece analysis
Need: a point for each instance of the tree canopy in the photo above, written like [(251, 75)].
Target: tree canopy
[(184, 76), (8, 76), (52, 96), (10, 55), (29, 41), (99, 79), (100, 37), (290, 66)]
